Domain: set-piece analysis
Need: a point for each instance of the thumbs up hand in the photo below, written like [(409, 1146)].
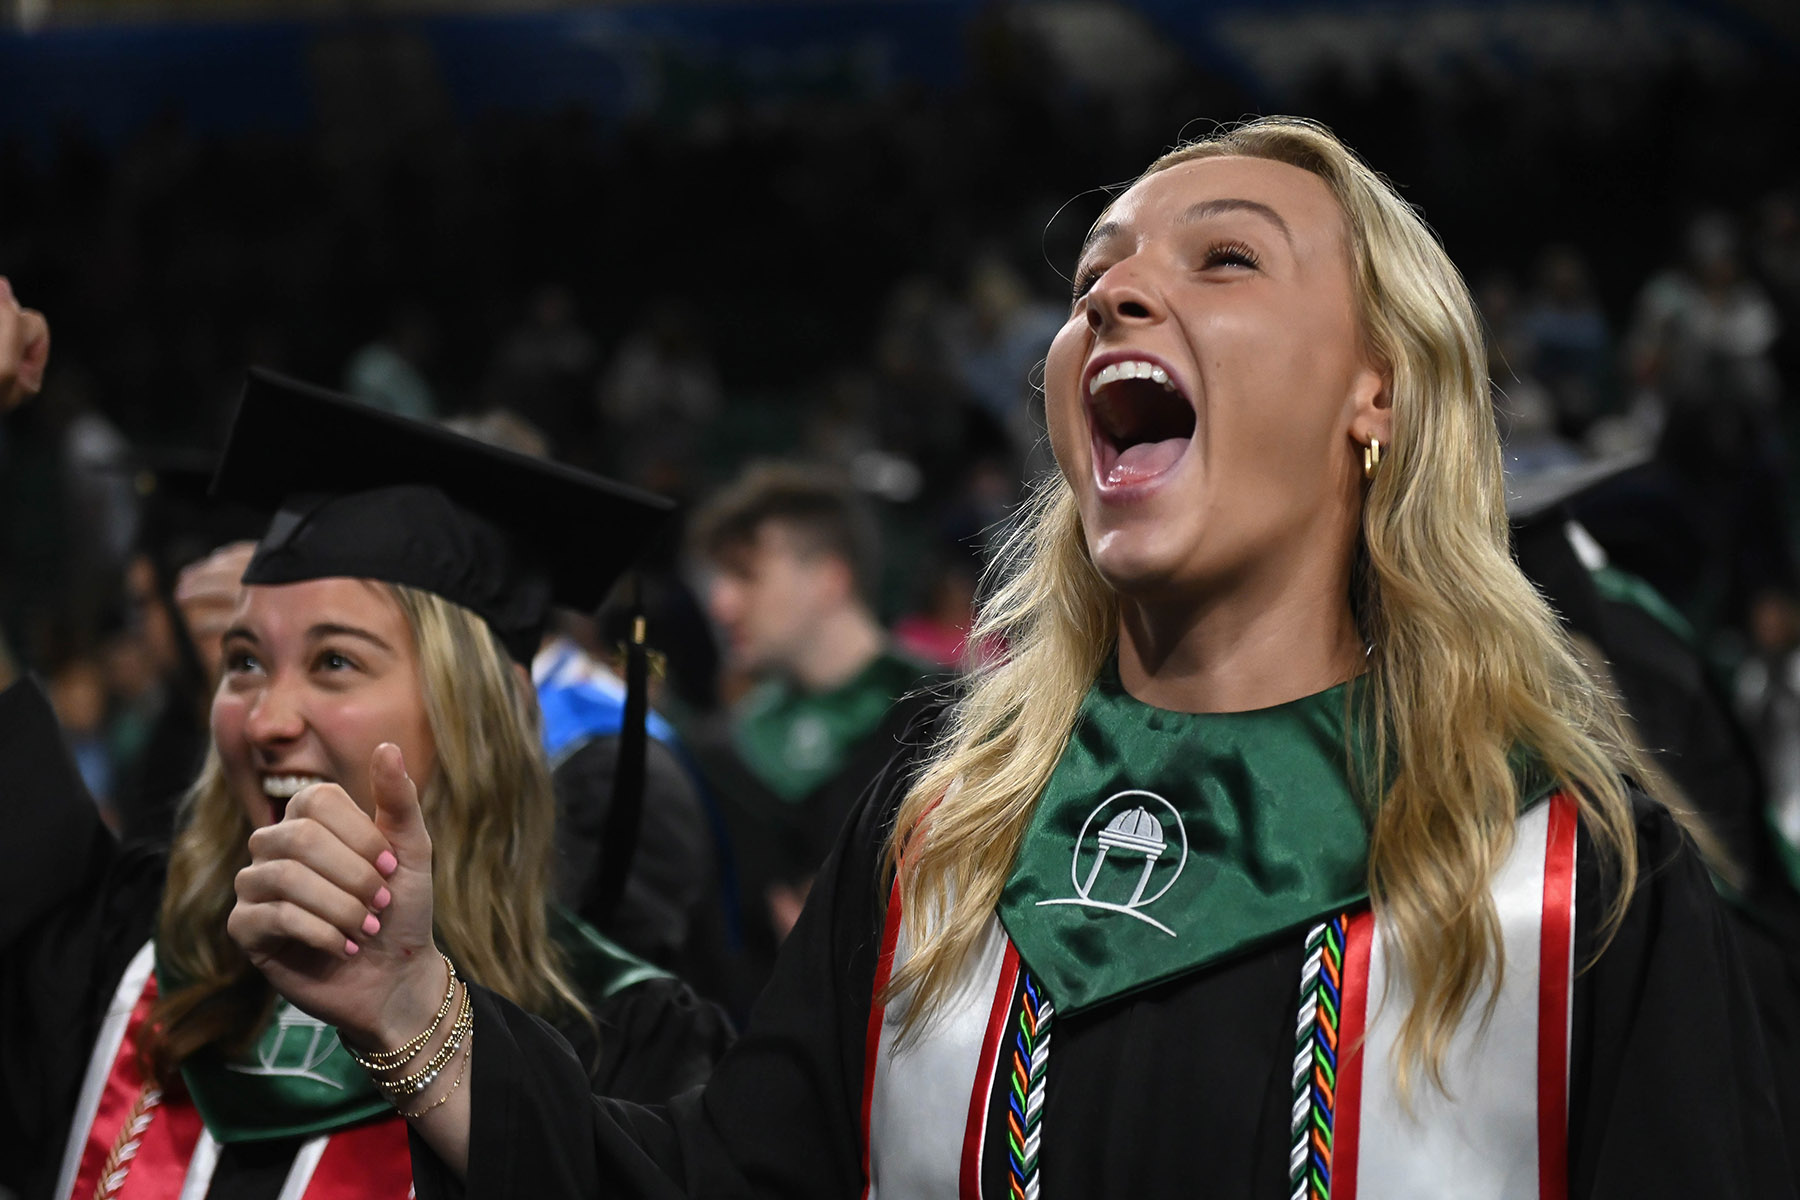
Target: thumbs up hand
[(335, 907)]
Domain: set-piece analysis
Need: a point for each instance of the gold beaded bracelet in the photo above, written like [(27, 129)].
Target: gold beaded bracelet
[(387, 1060), (421, 1079), (468, 1052)]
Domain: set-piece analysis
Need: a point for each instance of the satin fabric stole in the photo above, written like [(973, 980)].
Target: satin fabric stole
[(1501, 1133), (167, 1153), (925, 1104)]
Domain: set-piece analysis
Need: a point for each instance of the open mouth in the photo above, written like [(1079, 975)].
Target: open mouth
[(1142, 423), (282, 788)]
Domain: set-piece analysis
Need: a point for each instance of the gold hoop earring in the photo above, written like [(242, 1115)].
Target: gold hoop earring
[(1371, 458)]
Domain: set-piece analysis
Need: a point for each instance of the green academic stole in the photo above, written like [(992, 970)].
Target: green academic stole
[(298, 1081), (130, 1139), (794, 741), (1166, 841)]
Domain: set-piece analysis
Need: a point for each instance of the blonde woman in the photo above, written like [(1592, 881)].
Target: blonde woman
[(145, 1055), (1289, 854)]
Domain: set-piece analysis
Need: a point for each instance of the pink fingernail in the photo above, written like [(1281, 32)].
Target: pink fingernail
[(382, 899), (350, 947), (371, 926), (386, 863)]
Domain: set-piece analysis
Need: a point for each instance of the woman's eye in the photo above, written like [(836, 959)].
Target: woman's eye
[(1230, 254), (1084, 283), (331, 660), (239, 662)]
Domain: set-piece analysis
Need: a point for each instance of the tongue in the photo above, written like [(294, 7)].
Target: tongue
[(1146, 459)]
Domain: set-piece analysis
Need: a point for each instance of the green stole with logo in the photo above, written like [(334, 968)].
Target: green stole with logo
[(297, 1081), (794, 741), (1167, 841)]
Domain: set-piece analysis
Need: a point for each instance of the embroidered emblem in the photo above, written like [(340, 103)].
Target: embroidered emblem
[(809, 745), (298, 1047), (1134, 829)]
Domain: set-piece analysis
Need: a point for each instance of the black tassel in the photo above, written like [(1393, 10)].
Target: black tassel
[(618, 838)]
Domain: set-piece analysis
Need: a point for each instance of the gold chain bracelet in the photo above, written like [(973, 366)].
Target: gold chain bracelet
[(468, 1052), (421, 1079), (387, 1060)]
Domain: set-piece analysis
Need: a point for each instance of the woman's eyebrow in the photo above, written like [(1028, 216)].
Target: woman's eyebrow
[(327, 629), (1214, 208), (1096, 235)]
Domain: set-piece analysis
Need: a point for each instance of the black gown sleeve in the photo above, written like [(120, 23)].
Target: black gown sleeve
[(657, 1039), (1672, 1093), (781, 1116), (73, 909)]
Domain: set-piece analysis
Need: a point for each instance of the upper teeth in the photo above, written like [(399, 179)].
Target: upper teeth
[(1133, 369), (284, 787)]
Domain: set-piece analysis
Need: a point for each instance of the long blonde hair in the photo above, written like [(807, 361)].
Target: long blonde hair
[(1468, 662), (491, 813)]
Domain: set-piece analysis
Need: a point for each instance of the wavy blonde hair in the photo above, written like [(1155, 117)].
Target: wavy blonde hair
[(1468, 661), (491, 813)]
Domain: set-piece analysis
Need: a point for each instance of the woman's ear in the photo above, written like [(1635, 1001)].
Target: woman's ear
[(1371, 405)]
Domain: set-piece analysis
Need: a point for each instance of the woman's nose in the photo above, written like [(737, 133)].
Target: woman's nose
[(275, 716), (1121, 297)]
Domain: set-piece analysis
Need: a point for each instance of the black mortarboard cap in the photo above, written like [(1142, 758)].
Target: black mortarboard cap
[(362, 493), (1538, 508), (1546, 494)]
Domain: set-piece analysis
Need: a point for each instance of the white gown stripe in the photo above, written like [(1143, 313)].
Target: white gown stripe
[(1480, 1142), (305, 1163), (201, 1167), (106, 1048), (975, 1127), (918, 1112)]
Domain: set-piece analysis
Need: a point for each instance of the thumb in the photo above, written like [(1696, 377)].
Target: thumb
[(397, 813)]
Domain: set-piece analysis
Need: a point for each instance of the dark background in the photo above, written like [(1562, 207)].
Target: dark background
[(677, 236)]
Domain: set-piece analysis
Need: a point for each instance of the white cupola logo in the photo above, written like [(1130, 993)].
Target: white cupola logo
[(301, 1046), (1123, 857)]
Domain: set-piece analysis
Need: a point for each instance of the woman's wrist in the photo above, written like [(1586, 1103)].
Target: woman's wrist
[(413, 1058), (415, 1005)]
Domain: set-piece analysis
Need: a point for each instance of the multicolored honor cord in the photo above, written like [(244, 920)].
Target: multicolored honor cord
[(1024, 1120), (1315, 1060)]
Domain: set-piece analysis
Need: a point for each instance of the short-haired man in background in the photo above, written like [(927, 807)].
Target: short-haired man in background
[(792, 558)]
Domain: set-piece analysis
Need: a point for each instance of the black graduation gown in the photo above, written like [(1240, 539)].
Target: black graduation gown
[(673, 910), (75, 907), (778, 842), (1180, 1090)]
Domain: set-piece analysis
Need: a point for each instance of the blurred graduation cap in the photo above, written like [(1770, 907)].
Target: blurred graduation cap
[(362, 493), (179, 521), (1538, 495), (1555, 553), (178, 524)]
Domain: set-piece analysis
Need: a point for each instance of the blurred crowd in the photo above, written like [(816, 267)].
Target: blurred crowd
[(866, 288)]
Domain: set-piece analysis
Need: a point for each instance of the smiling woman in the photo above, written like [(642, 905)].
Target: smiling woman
[(378, 642), (306, 667), (1288, 853)]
